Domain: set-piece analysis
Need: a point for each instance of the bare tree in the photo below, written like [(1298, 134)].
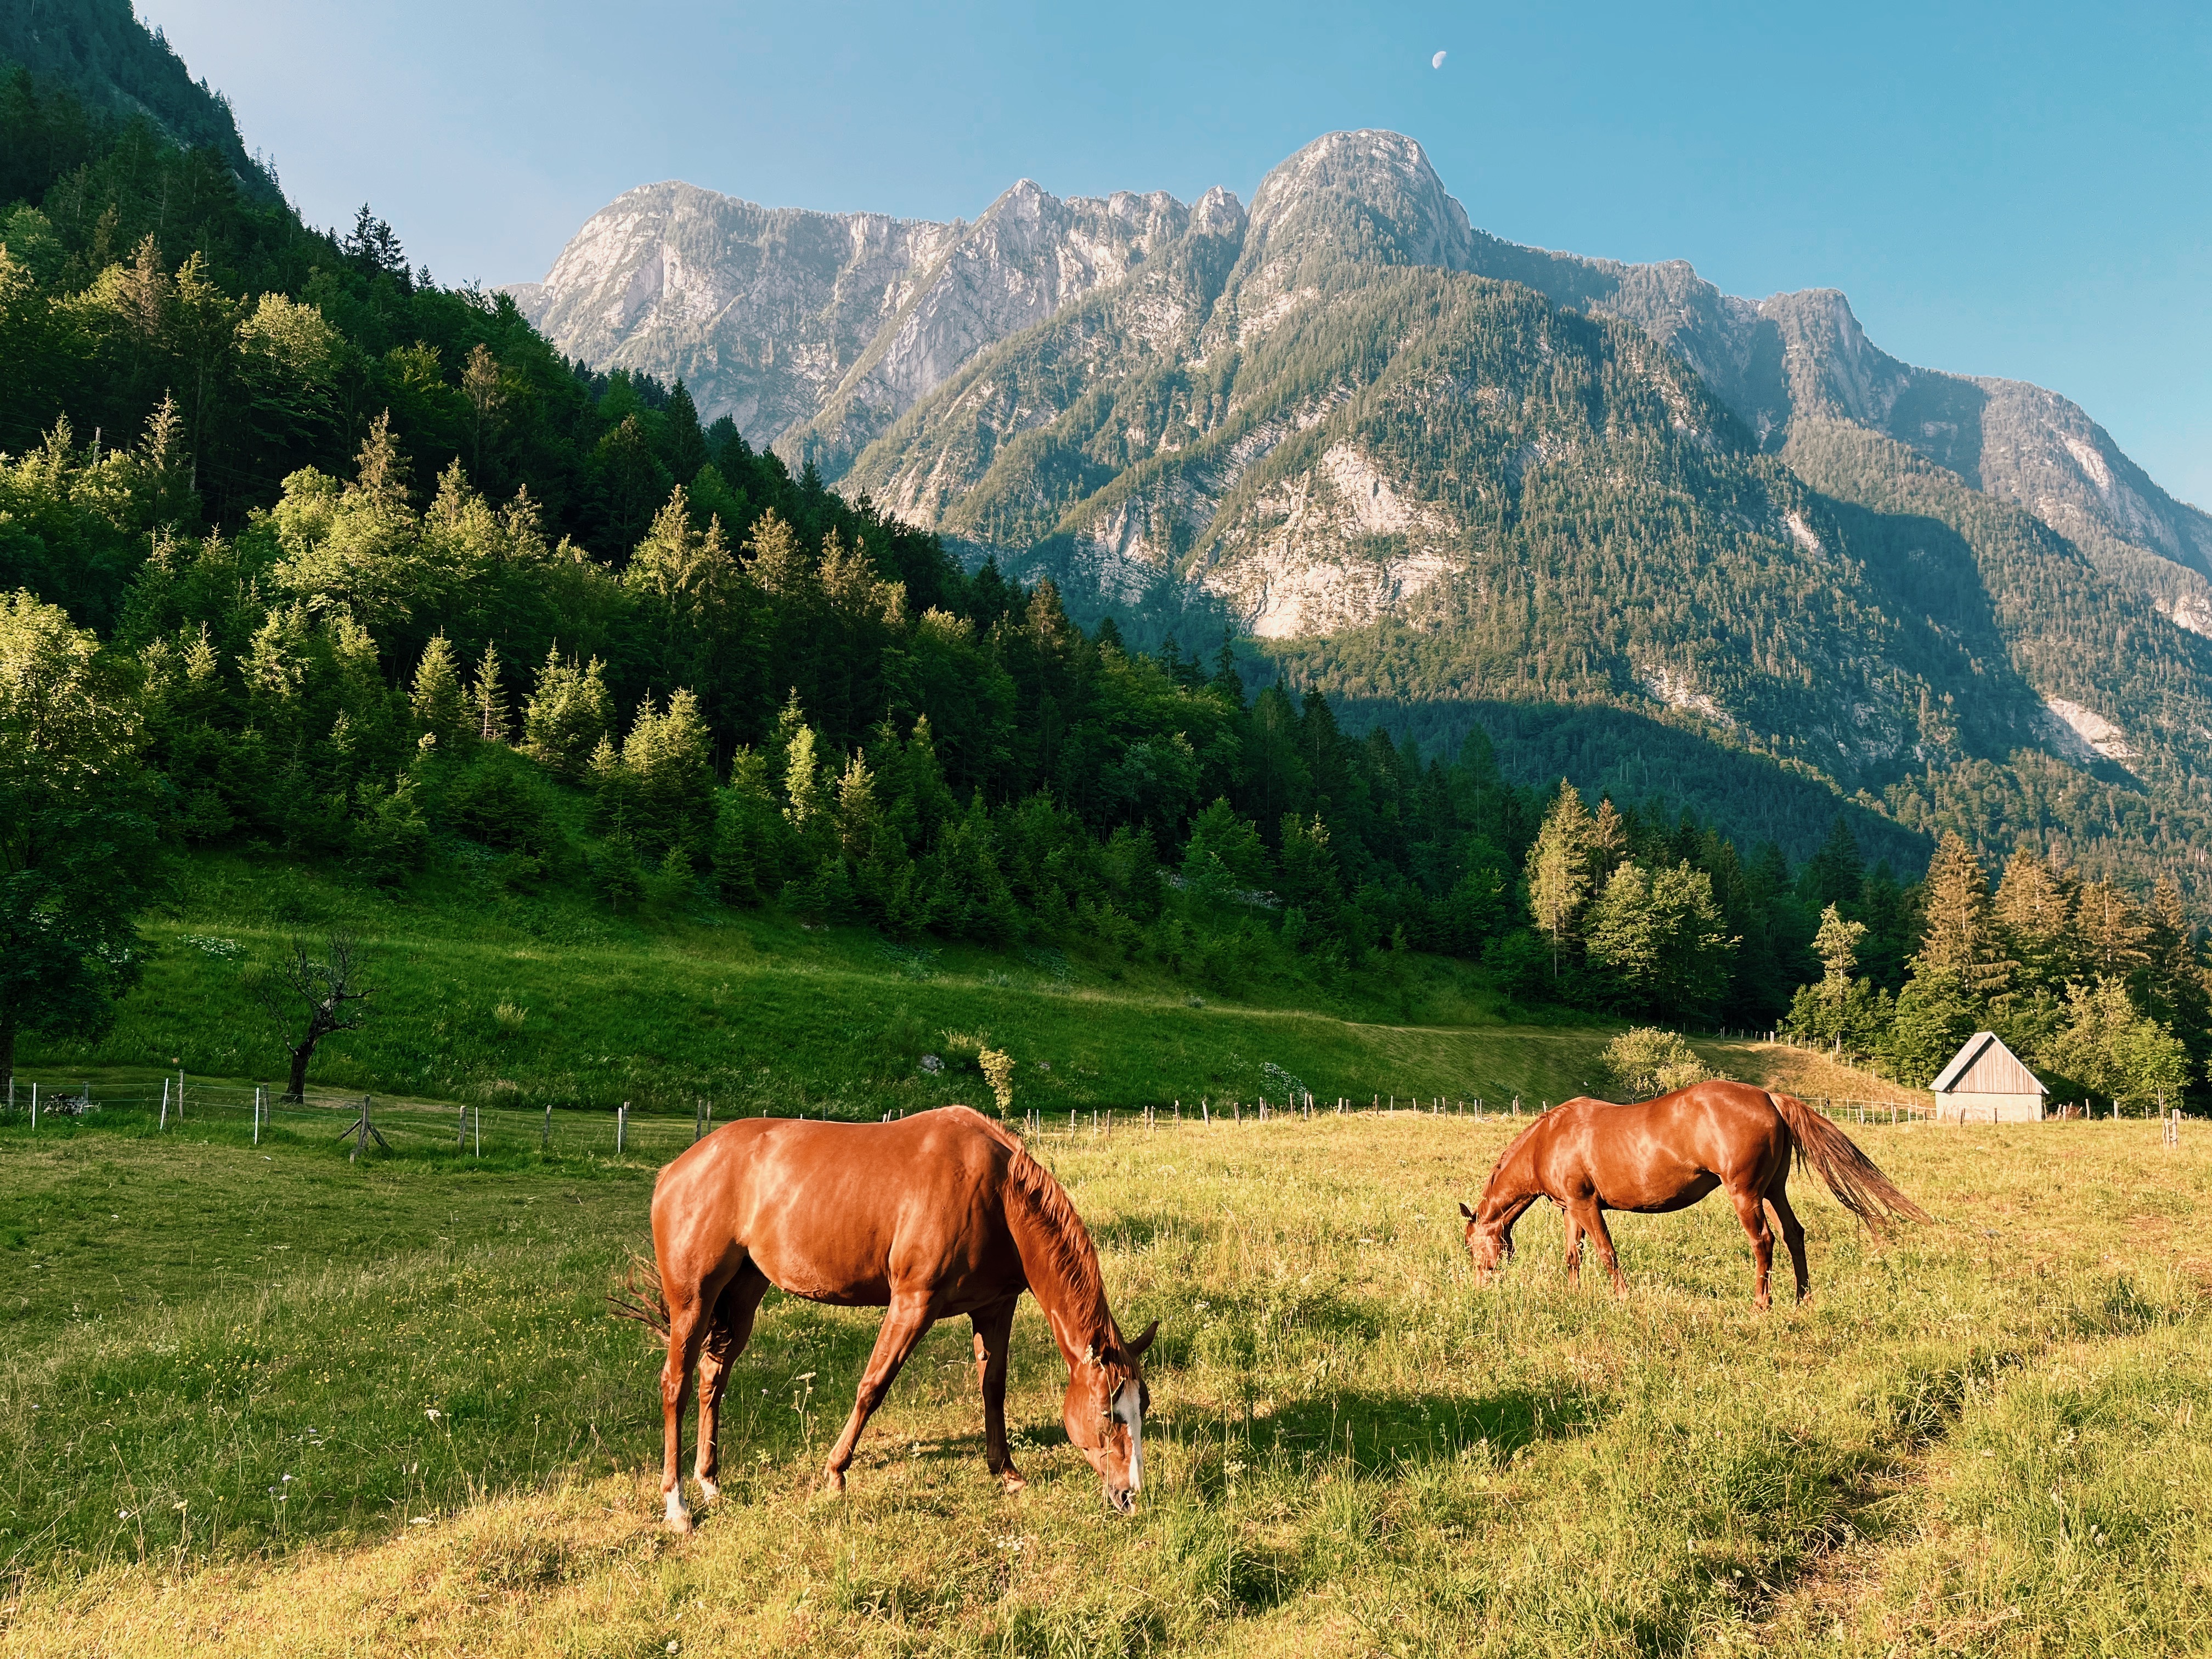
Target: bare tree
[(331, 992)]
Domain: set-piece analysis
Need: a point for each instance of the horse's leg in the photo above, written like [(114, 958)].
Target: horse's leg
[(1793, 1235), (1593, 1221), (994, 1327), (1574, 1251), (732, 1329), (904, 1324), (1751, 1210), (687, 1328)]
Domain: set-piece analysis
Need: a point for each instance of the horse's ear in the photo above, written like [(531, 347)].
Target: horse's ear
[(1137, 1348), (1468, 1213)]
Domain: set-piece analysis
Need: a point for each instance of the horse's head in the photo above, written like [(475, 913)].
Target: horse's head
[(1490, 1242), (1104, 1412)]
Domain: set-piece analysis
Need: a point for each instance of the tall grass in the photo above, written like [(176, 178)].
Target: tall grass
[(1354, 1448)]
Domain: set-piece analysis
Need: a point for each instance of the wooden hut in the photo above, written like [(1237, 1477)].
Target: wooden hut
[(1986, 1082)]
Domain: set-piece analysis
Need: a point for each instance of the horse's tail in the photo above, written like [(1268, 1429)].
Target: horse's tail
[(1850, 1174), (640, 1298)]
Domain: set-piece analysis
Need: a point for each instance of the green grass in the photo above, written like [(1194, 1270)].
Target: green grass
[(754, 1012), (1355, 1448)]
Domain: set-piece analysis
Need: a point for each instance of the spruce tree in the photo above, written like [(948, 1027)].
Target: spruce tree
[(440, 712), (2035, 917), (684, 447), (1961, 938), (1558, 869), (488, 699), (2112, 931)]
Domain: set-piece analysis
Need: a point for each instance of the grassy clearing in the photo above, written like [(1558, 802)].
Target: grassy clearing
[(1355, 1449), (754, 1011)]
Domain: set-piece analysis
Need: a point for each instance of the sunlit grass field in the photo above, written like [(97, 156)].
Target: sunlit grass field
[(526, 1000), (263, 1401)]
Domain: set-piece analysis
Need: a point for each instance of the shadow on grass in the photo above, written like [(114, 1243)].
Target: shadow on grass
[(1388, 1431)]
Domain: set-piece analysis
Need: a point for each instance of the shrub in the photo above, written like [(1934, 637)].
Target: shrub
[(999, 1071), (390, 838), (1648, 1061)]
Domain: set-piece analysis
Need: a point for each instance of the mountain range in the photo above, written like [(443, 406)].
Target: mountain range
[(818, 332), (1448, 479)]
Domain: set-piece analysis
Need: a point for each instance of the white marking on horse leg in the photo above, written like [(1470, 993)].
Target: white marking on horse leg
[(708, 1489), (678, 1516)]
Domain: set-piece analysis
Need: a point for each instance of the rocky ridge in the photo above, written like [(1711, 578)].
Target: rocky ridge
[(819, 332)]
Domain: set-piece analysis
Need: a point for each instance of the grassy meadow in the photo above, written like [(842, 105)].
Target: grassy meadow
[(263, 1401), (755, 1010)]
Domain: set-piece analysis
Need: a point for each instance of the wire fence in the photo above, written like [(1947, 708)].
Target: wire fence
[(400, 1126)]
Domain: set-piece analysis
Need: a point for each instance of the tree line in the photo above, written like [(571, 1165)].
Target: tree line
[(305, 552)]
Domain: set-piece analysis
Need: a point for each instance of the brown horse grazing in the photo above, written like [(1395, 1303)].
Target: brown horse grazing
[(930, 1217), (1657, 1156)]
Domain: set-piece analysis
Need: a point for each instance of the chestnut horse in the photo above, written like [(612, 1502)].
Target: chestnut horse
[(1657, 1156), (929, 1217)]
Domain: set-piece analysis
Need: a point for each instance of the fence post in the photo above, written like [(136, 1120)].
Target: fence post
[(698, 1119), (165, 1100), (546, 1145), (479, 1131), (461, 1129), (622, 1126), (257, 1114), (34, 1104)]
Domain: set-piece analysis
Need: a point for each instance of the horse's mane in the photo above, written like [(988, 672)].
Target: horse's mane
[(1511, 1147), (1045, 1202)]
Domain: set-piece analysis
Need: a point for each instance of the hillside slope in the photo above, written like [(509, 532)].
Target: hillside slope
[(816, 332), (98, 50)]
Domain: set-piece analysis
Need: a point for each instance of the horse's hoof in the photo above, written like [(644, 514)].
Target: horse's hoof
[(709, 1491), (1012, 1483), (833, 1483), (679, 1518)]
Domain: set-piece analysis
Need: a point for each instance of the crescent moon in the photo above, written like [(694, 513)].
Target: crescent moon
[(1436, 62)]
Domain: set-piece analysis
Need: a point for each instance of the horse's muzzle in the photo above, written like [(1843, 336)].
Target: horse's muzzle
[(1120, 1500)]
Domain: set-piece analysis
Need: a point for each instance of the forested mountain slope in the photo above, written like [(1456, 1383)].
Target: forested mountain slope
[(817, 331), (98, 50), (356, 574)]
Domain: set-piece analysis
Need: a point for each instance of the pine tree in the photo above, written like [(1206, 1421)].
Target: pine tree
[(488, 699), (1558, 869), (2112, 930), (381, 470), (440, 712), (2174, 988), (1836, 874), (481, 386), (567, 715), (2035, 916), (1961, 938), (1836, 946), (685, 446)]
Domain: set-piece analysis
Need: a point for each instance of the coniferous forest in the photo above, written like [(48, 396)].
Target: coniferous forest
[(310, 555)]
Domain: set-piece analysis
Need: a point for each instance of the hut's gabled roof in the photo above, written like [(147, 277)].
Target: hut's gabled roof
[(1985, 1067)]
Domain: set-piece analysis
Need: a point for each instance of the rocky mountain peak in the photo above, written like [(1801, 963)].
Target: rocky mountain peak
[(817, 332), (1370, 196)]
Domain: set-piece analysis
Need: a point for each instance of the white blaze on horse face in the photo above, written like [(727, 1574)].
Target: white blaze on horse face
[(1129, 1406)]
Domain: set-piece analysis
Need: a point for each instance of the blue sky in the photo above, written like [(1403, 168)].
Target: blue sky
[(2022, 190)]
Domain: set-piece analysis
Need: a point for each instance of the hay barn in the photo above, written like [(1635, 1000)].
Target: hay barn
[(1986, 1082)]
